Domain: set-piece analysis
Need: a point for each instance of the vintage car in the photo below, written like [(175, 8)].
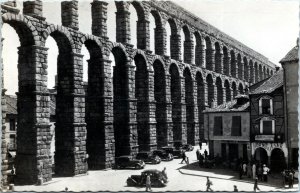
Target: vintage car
[(170, 149), (128, 162), (148, 157), (156, 177), (165, 156)]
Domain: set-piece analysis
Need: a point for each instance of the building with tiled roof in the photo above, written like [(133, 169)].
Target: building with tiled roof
[(290, 65), (267, 129), (226, 128)]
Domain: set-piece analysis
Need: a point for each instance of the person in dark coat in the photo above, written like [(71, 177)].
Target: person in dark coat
[(183, 157), (208, 184), (235, 188), (256, 184), (205, 154), (291, 179), (198, 154)]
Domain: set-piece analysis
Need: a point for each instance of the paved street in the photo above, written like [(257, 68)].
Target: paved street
[(180, 179)]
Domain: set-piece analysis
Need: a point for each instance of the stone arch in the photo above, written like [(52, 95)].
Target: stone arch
[(261, 155), (62, 32), (277, 160), (218, 58), (188, 45), (240, 66), (256, 72), (141, 95), (252, 74), (219, 86), (139, 9), (118, 46), (260, 72), (201, 103), (175, 40), (209, 58), (176, 101), (227, 90), (241, 88), (91, 38), (210, 90), (189, 100), (199, 50), (120, 106), (143, 55), (159, 33), (226, 61), (234, 89), (233, 65), (161, 108), (246, 69), (23, 27)]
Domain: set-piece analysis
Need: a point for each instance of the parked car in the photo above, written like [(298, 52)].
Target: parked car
[(156, 177), (165, 156), (129, 162), (187, 147), (148, 157), (170, 149)]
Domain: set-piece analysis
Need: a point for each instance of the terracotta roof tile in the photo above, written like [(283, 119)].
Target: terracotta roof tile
[(240, 103)]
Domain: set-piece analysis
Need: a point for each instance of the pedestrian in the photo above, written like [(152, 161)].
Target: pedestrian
[(200, 145), (254, 171), (198, 154), (249, 172), (244, 169), (205, 153), (241, 170), (164, 173), (148, 183), (291, 179), (183, 155), (256, 184), (265, 172), (201, 158), (235, 188), (208, 184)]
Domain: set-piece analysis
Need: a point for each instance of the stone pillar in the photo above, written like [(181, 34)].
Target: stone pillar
[(33, 9), (123, 26), (210, 59), (99, 18), (175, 48), (99, 115), (234, 72), (70, 128), (160, 40), (196, 116), (33, 161), (224, 94), (229, 64), (203, 55), (242, 70), (182, 123), (188, 55), (143, 34), (169, 123), (218, 62), (4, 143), (69, 14), (221, 62)]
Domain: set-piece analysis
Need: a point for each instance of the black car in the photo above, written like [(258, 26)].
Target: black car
[(176, 153), (156, 177), (148, 157), (165, 156), (187, 147), (128, 162)]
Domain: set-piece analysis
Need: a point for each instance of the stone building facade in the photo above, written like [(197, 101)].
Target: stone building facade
[(291, 88), (227, 129), (147, 101), (267, 129)]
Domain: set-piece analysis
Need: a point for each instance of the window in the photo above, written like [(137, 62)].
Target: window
[(267, 126), (236, 127), (12, 142), (218, 126), (266, 105), (12, 125)]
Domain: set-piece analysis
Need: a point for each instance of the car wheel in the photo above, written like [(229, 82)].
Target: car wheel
[(138, 166)]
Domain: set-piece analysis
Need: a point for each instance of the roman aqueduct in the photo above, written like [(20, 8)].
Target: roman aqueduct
[(147, 101)]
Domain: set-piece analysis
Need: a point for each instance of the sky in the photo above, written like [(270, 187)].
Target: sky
[(270, 27)]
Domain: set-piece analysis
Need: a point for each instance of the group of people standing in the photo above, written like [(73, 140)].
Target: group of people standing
[(261, 171)]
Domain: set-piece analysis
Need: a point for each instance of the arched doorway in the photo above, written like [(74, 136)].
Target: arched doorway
[(277, 160), (261, 155)]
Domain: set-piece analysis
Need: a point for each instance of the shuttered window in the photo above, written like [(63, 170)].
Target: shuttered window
[(218, 126), (236, 126)]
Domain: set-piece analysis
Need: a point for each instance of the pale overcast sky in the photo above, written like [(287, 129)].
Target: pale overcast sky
[(270, 27)]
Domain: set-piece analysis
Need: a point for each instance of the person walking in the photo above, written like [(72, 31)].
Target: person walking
[(265, 172), (183, 157), (291, 179), (259, 172), (198, 154), (235, 188), (253, 171), (164, 173), (256, 184), (200, 145), (244, 169), (148, 183), (208, 184), (205, 154)]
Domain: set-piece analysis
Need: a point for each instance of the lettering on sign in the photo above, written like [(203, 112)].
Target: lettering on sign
[(264, 137), (268, 146)]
